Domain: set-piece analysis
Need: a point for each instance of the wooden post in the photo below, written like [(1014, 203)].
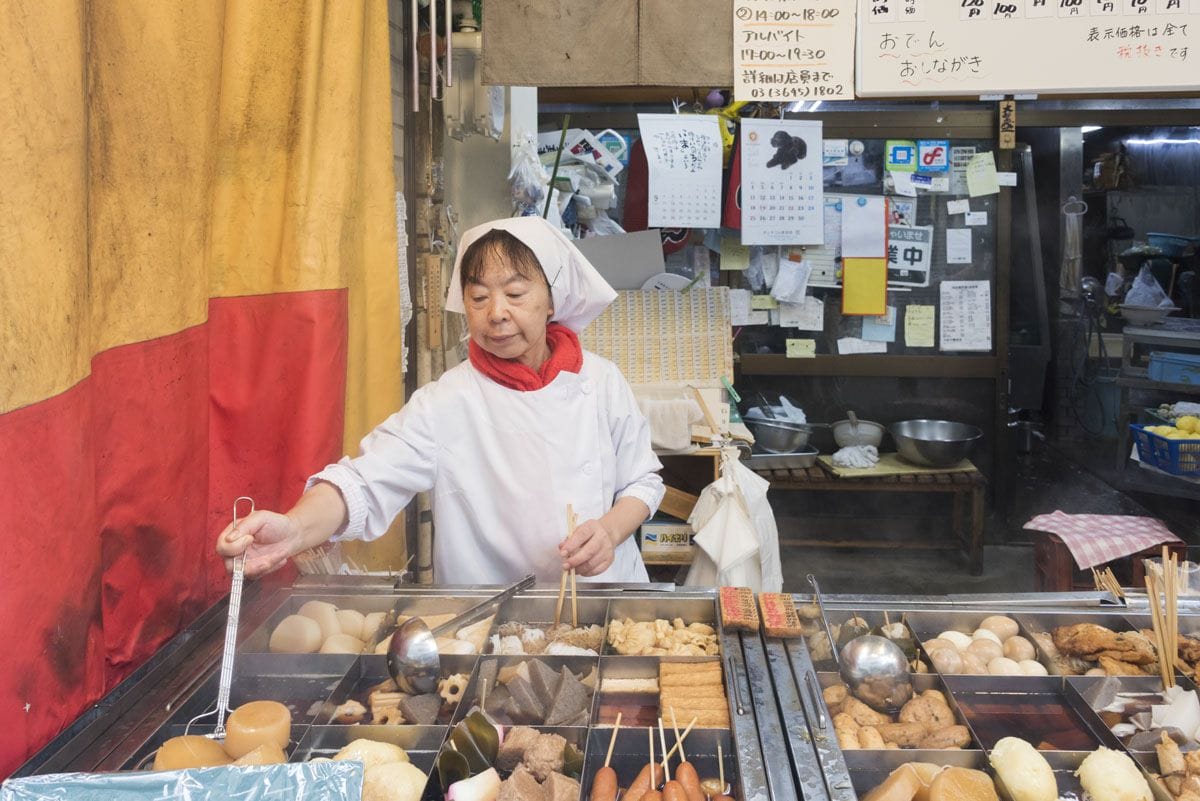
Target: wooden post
[(1008, 124)]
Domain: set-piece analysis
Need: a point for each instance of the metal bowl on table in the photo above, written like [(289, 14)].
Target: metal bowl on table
[(935, 443), (853, 431), (1146, 315), (779, 436)]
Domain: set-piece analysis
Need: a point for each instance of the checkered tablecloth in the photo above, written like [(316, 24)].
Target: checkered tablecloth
[(1097, 539)]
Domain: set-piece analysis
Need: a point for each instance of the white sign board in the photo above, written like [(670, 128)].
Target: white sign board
[(973, 47), (788, 50)]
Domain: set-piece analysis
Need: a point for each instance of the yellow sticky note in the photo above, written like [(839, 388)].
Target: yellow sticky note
[(864, 287), (801, 348), (734, 255), (981, 175), (761, 302), (918, 326)]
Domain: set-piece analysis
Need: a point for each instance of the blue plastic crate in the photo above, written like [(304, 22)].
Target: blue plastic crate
[(1175, 368), (1179, 457), (1171, 244)]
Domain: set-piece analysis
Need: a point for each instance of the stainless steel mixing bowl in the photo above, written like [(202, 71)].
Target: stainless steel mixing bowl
[(935, 443), (777, 436)]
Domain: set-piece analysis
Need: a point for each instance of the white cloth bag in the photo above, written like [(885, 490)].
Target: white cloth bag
[(737, 541)]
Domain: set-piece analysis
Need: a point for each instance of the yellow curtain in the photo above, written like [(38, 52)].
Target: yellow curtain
[(198, 243)]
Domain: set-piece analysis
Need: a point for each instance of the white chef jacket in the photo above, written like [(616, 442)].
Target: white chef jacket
[(503, 465)]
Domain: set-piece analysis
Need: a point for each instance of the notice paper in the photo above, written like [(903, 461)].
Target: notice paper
[(734, 255), (918, 326), (981, 175), (910, 255), (848, 345), (791, 283), (801, 348), (939, 183), (880, 329), (903, 182), (960, 157), (864, 286), (782, 182), (807, 316), (958, 245), (787, 50), (976, 218), (740, 311), (837, 153), (966, 315), (684, 157), (958, 206), (1006, 178), (760, 302), (864, 227)]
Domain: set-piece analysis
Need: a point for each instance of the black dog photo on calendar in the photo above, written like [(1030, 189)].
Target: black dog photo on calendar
[(788, 150)]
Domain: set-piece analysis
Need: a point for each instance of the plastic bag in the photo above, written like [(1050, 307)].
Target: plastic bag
[(528, 179), (1146, 291), (303, 781)]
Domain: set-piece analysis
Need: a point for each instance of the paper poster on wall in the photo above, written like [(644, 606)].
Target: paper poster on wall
[(740, 311), (836, 153), (958, 245), (960, 157), (864, 227), (864, 287), (808, 315), (851, 345), (825, 259), (902, 211), (791, 282), (981, 175), (684, 157), (789, 50), (882, 328), (918, 326), (801, 348), (782, 182), (933, 155), (734, 255), (902, 183), (966, 316), (910, 255), (900, 155)]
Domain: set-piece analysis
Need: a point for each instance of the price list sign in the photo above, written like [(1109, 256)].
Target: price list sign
[(788, 50)]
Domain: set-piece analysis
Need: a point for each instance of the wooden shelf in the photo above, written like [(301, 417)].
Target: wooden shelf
[(1138, 479), (872, 366), (1133, 382)]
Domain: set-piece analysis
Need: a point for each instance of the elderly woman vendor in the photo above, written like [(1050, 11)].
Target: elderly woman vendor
[(505, 441)]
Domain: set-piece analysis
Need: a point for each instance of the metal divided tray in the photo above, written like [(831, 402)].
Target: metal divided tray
[(1051, 712), (314, 685)]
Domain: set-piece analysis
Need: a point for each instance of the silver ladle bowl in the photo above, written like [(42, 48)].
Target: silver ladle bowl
[(876, 672)]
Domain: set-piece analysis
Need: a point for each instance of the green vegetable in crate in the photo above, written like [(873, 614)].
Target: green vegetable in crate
[(852, 629)]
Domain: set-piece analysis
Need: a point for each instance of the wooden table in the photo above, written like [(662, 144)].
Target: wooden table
[(965, 487)]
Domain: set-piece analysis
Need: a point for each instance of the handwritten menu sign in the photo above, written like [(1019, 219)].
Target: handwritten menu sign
[(971, 47), (787, 50), (683, 154), (782, 189), (966, 315)]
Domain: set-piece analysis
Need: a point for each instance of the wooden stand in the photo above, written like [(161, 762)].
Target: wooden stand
[(966, 489)]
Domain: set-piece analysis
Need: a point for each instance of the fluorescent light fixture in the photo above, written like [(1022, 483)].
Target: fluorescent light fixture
[(797, 106), (1162, 141), (1087, 129), (816, 104)]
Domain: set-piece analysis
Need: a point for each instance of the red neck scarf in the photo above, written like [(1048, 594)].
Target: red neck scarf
[(565, 354)]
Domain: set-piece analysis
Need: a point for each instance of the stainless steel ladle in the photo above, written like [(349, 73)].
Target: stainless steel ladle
[(874, 668), (413, 660)]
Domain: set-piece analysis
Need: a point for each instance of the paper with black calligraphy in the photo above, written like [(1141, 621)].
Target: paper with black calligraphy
[(683, 153), (789, 50)]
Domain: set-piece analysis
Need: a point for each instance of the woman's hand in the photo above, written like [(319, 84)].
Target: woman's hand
[(589, 549), (268, 539)]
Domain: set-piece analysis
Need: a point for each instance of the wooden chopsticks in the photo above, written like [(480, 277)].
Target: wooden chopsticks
[(1107, 582), (1165, 614), (562, 584)]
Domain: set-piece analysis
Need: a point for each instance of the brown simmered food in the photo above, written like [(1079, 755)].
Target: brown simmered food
[(926, 721)]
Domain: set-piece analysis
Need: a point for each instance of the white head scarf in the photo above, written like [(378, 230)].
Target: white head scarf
[(579, 292)]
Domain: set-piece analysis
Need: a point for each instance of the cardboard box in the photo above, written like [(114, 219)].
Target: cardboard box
[(667, 542)]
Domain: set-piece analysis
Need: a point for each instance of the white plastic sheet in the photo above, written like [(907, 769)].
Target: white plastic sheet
[(307, 781)]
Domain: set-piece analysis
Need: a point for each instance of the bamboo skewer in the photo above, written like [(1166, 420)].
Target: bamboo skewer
[(1162, 642), (686, 732), (662, 738), (653, 778), (612, 740), (721, 767), (678, 739), (568, 576)]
